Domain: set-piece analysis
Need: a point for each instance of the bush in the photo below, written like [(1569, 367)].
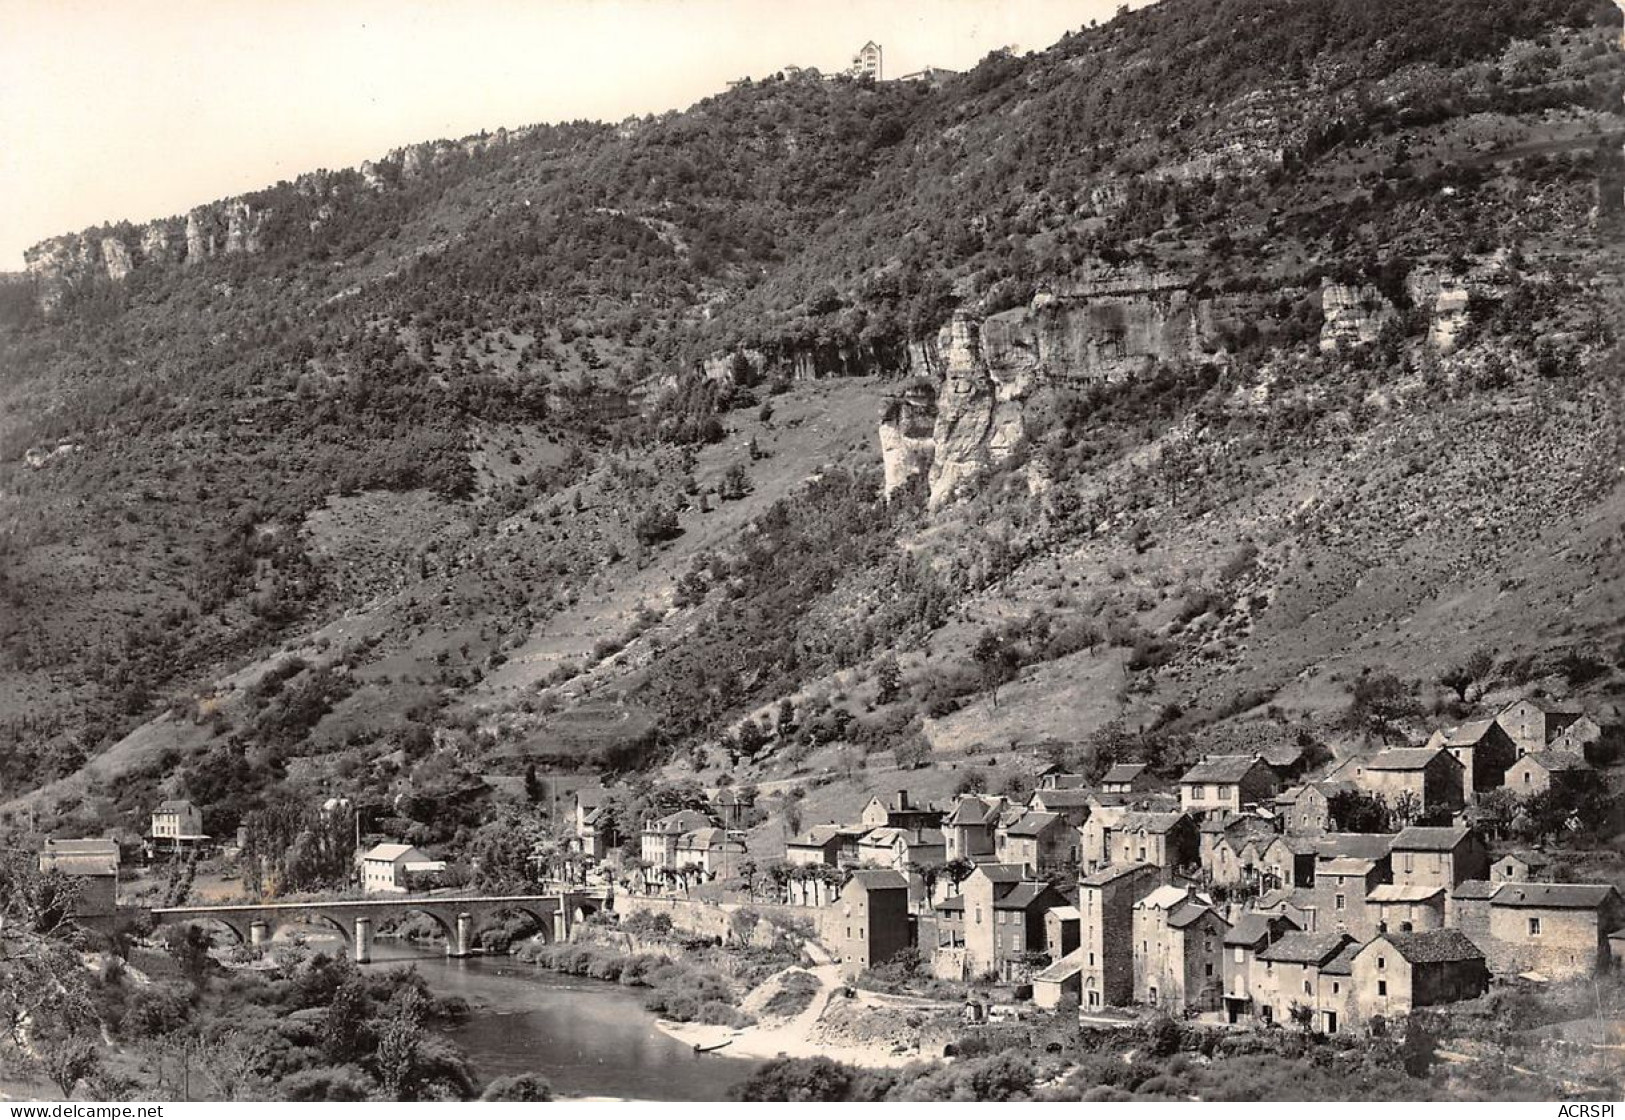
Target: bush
[(527, 1087)]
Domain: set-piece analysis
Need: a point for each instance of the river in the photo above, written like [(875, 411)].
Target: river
[(589, 1038)]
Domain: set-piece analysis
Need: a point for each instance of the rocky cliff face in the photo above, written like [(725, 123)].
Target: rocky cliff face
[(1117, 325), (229, 227), (1352, 316)]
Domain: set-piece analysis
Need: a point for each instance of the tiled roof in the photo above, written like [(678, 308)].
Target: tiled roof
[(1393, 892), (390, 852), (1404, 758), (1305, 948), (1343, 963), (1434, 946), (1003, 872), (1359, 845), (880, 880), (1150, 822), (1111, 874), (1346, 865), (818, 836), (87, 847), (973, 811), (957, 902), (1066, 913), (174, 807), (1163, 898), (1032, 823), (1558, 761), (1052, 799), (1021, 896), (1419, 839), (1555, 896), (1123, 772), (1189, 912), (1251, 928), (1528, 859), (98, 865), (1468, 734), (1473, 889), (1221, 768)]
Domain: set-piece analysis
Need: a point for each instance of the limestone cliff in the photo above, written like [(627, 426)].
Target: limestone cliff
[(229, 227), (907, 434), (979, 419), (1352, 316)]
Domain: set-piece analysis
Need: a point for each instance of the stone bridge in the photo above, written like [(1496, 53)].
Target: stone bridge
[(460, 918)]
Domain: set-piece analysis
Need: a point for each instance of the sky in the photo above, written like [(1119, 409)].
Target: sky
[(139, 109)]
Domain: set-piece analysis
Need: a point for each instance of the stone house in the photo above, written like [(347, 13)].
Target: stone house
[(1306, 810), (658, 842), (873, 918), (899, 812), (717, 852), (396, 869), (1070, 804), (595, 833), (94, 863), (971, 828), (1467, 908), (1577, 736), (1394, 973), (820, 844), (1062, 931), (1226, 782), (1004, 919), (1430, 775), (1289, 974), (897, 848), (1484, 750), (1250, 934), (1520, 867), (1539, 771), (1128, 777), (1373, 846), (1559, 930), (1106, 902), (177, 823), (1533, 724), (1179, 950), (1231, 847), (1038, 841), (1341, 888), (1438, 857), (1288, 861), (1405, 909), (1299, 904), (1168, 840)]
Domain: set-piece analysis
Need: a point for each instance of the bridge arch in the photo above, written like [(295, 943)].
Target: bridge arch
[(489, 917)]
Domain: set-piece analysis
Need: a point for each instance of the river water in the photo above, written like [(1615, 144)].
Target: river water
[(589, 1038)]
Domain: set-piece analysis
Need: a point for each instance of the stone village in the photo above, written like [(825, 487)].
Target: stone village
[(1230, 895)]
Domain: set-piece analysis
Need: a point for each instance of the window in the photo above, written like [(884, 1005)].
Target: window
[(1338, 903), (1239, 956), (1207, 944), (1382, 987), (978, 915), (1228, 793), (1142, 853), (1091, 960), (1382, 962), (1410, 862), (1336, 987), (1534, 927), (1208, 970), (1526, 777), (1307, 990)]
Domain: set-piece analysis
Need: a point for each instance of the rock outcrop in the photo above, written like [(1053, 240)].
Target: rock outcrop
[(230, 227), (1353, 316), (907, 435), (979, 413)]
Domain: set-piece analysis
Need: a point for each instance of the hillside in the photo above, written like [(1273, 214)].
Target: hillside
[(1133, 394)]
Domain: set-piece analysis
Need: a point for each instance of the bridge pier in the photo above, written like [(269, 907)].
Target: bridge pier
[(362, 944), (259, 933), (461, 943)]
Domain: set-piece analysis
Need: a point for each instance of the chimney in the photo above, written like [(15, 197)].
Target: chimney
[(902, 799)]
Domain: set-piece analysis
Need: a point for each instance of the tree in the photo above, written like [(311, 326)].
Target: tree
[(1354, 810), (1458, 680), (735, 483), (344, 1028), (1379, 703), (1407, 807), (67, 1061), (232, 1063), (888, 678), (1480, 664), (1418, 1050), (533, 784), (997, 660), (526, 1087), (400, 1042), (798, 1079), (913, 752)]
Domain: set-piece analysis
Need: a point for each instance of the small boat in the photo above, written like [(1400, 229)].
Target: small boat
[(698, 1049)]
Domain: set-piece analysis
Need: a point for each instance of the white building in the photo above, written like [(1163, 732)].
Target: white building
[(394, 868)]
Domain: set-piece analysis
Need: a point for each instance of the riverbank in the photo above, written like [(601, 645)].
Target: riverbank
[(805, 1035)]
